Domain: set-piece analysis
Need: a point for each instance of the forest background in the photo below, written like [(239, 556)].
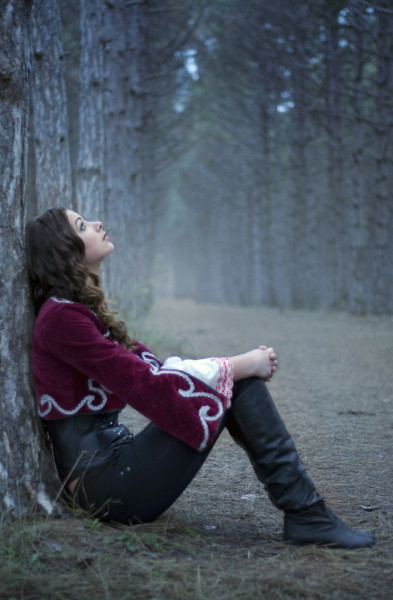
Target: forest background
[(238, 153)]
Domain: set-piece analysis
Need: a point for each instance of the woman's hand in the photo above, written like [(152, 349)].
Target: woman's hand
[(261, 362), (273, 360)]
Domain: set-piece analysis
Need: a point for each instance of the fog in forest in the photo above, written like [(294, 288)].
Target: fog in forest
[(239, 152)]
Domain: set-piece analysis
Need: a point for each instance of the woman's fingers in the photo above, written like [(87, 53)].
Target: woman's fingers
[(273, 359)]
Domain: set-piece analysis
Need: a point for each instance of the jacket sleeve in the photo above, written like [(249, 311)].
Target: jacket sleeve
[(178, 402)]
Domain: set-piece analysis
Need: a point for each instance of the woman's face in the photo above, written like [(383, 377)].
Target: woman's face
[(97, 243)]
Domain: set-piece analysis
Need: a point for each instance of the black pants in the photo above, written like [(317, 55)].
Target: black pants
[(149, 474)]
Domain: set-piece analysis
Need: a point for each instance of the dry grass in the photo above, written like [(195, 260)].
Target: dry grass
[(222, 538)]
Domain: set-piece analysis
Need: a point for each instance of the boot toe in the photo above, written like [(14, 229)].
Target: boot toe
[(333, 539), (329, 531)]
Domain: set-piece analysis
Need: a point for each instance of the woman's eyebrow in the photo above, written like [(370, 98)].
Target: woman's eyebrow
[(77, 219)]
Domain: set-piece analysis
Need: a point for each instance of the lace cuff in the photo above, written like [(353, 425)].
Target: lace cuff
[(215, 372)]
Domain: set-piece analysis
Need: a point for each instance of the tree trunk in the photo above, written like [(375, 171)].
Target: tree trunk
[(50, 122), (333, 238), (301, 217), (22, 457), (109, 180), (90, 179), (382, 211), (128, 208), (357, 213)]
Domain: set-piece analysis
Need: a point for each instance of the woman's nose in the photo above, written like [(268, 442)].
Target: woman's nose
[(98, 225)]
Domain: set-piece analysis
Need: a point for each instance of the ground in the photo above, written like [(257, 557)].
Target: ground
[(222, 538)]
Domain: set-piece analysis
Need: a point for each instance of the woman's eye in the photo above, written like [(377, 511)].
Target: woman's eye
[(83, 227)]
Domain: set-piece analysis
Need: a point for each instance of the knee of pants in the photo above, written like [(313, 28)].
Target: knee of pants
[(241, 386)]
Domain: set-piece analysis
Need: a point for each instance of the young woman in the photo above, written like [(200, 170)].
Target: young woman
[(86, 369)]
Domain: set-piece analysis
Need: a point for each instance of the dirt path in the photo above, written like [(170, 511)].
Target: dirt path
[(334, 389)]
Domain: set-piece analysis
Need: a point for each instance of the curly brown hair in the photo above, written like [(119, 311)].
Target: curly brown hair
[(56, 265)]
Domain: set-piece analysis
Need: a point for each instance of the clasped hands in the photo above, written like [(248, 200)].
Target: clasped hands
[(261, 362), (264, 362), (269, 362)]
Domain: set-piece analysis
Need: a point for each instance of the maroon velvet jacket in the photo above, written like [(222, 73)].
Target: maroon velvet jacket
[(78, 368)]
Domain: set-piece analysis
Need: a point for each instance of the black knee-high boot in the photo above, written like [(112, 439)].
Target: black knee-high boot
[(255, 424)]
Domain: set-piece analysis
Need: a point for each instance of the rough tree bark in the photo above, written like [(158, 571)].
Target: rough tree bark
[(127, 208), (90, 179), (51, 146), (22, 457), (109, 181)]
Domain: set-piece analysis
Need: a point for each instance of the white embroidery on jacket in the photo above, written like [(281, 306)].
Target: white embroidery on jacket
[(47, 403), (203, 412), (61, 300)]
